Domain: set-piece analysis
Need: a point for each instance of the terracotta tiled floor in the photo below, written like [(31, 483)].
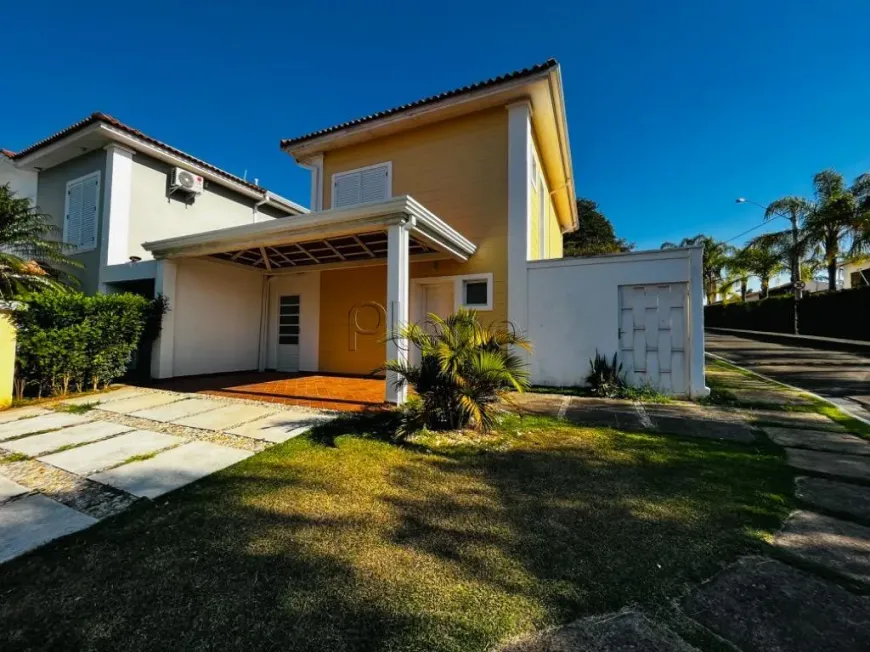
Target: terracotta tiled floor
[(346, 393)]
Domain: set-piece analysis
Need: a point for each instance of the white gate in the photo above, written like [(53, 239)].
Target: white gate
[(653, 321)]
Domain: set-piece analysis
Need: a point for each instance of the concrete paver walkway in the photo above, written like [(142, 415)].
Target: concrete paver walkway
[(819, 440), (133, 443), (834, 496)]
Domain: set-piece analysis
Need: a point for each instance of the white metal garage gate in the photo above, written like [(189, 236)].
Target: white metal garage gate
[(653, 323)]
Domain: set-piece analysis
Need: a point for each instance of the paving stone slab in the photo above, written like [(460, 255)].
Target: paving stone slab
[(10, 489), (91, 458), (820, 440), (228, 416), (31, 521), (171, 469), (106, 397), (763, 605), (71, 436), (178, 410), (838, 545), (626, 631), (834, 496), (836, 464), (688, 426), (53, 421), (282, 426), (136, 403), (769, 395), (13, 414), (809, 420)]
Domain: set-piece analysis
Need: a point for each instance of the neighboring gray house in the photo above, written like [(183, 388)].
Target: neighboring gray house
[(110, 188)]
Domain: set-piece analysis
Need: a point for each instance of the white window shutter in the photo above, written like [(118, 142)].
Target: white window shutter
[(90, 201), (73, 225), (346, 190), (374, 183)]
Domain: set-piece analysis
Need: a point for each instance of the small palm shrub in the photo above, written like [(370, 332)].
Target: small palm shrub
[(605, 376), (464, 369)]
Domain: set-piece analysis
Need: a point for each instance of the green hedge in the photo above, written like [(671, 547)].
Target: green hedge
[(844, 314), (70, 341)]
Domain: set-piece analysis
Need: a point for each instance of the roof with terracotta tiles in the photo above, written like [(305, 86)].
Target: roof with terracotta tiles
[(117, 124), (8, 153), (494, 81)]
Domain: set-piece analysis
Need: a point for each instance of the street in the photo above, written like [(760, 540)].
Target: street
[(839, 376)]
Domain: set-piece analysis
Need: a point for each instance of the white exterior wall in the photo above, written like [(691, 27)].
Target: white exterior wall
[(215, 319), (573, 309), (307, 286), (22, 182)]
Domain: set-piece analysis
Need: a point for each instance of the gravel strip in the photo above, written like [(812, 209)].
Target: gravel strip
[(72, 490)]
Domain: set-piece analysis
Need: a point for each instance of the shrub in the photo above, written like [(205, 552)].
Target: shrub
[(72, 341), (465, 368), (605, 376)]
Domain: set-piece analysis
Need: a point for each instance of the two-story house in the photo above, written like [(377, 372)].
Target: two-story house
[(109, 188), (456, 200)]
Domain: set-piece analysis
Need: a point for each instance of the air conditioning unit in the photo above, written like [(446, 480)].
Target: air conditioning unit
[(187, 181)]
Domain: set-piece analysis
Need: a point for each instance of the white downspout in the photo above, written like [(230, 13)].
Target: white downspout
[(264, 200), (265, 306)]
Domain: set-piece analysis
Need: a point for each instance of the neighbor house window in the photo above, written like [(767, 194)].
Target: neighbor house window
[(475, 291), (361, 186), (80, 212)]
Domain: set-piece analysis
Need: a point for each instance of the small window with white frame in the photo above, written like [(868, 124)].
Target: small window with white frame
[(474, 291)]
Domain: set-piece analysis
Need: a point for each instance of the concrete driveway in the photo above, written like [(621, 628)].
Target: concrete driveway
[(839, 376), (62, 471)]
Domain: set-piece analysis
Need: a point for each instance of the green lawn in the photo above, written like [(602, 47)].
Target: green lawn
[(345, 542)]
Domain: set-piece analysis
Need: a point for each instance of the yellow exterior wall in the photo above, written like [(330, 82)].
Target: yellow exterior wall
[(534, 246), (458, 170), (7, 359), (552, 231)]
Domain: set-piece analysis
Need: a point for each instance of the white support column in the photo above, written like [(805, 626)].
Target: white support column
[(697, 386), (398, 283), (519, 197), (117, 191), (163, 351)]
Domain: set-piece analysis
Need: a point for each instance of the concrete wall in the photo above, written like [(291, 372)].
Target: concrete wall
[(307, 286), (155, 216), (51, 198), (215, 318), (573, 310), (23, 183)]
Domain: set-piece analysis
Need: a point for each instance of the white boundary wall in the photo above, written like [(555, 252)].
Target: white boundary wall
[(573, 310)]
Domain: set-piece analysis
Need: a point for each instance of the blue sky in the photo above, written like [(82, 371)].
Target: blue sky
[(675, 108)]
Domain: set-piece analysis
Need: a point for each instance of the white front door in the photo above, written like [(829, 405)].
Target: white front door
[(288, 333), (653, 335)]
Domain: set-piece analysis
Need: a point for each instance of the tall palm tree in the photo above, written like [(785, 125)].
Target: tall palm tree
[(836, 216), (790, 242), (716, 256), (739, 272), (32, 258), (763, 259)]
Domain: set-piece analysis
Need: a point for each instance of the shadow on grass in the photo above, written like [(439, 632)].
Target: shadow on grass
[(341, 541)]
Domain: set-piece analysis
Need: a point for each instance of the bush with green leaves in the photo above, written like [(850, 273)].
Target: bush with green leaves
[(605, 377), (465, 368), (70, 341)]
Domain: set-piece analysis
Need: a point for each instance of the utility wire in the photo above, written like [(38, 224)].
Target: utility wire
[(757, 226)]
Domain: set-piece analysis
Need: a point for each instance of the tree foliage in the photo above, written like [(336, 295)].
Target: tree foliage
[(465, 369), (595, 234), (32, 258), (716, 257)]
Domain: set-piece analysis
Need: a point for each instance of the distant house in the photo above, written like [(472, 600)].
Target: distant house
[(810, 287), (856, 273)]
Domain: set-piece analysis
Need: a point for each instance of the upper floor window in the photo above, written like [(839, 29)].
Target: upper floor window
[(363, 185), (80, 212)]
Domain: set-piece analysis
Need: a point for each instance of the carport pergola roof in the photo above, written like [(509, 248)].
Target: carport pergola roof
[(356, 234)]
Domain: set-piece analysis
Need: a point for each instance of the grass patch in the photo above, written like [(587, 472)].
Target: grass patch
[(139, 458), (560, 391), (339, 540), (14, 457), (81, 408)]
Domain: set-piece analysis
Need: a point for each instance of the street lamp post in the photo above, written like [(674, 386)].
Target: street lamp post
[(796, 281)]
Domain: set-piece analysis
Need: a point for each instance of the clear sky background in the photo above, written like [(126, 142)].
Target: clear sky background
[(674, 108)]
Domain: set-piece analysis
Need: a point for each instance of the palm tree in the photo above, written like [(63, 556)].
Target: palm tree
[(30, 261), (861, 229), (836, 216), (739, 271), (465, 368), (716, 256), (763, 259), (791, 243)]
